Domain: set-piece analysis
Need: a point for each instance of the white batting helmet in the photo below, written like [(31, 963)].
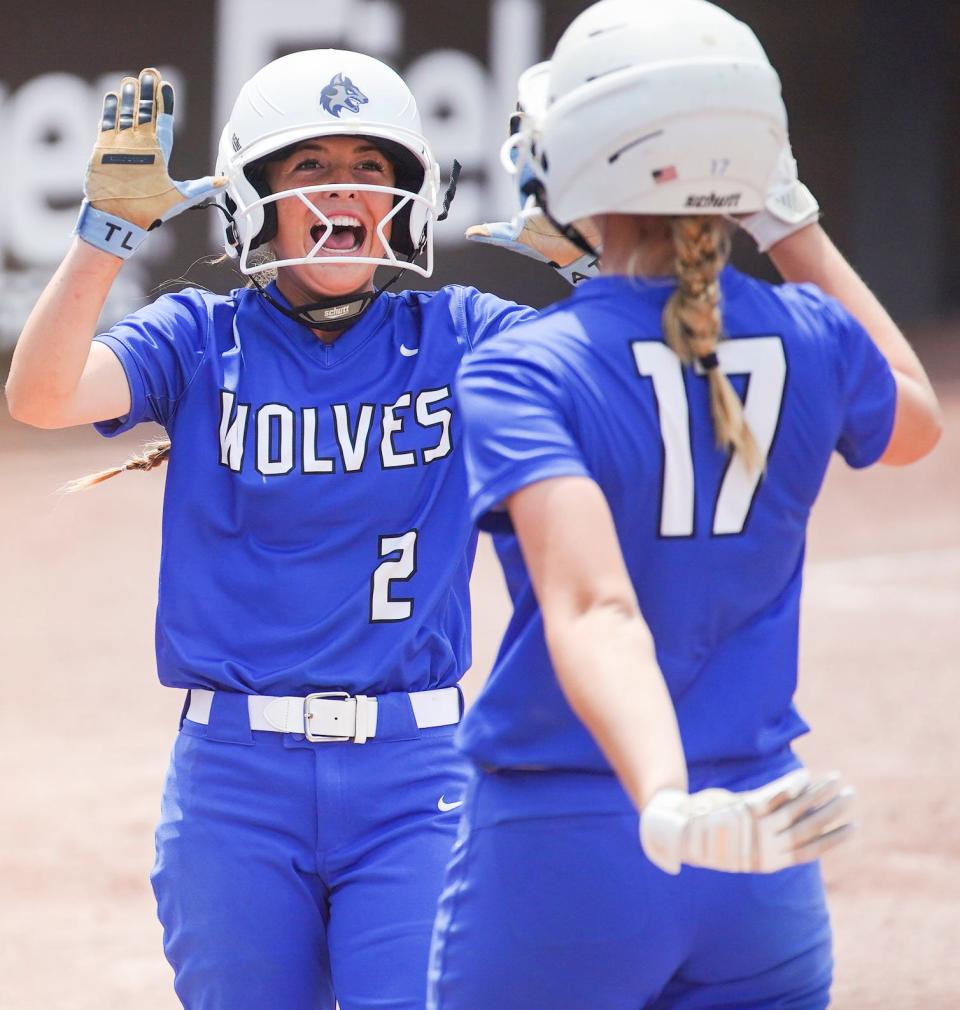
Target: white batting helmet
[(328, 92), (659, 107)]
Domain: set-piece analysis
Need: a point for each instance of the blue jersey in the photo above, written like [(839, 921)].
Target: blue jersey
[(315, 527), (715, 552)]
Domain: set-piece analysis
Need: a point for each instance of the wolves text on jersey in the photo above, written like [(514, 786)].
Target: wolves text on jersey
[(279, 436)]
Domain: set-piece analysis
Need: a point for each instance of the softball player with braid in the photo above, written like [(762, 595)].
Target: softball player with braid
[(659, 480), (316, 541)]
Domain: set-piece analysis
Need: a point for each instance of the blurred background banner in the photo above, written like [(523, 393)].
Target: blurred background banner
[(871, 87)]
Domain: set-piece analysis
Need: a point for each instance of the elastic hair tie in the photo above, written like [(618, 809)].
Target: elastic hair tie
[(708, 362)]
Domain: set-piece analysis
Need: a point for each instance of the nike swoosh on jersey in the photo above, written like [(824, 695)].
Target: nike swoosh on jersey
[(443, 806), (409, 352)]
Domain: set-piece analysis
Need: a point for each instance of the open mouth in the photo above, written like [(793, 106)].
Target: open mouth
[(348, 234)]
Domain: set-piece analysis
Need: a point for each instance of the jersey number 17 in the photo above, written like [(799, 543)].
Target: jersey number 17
[(763, 361)]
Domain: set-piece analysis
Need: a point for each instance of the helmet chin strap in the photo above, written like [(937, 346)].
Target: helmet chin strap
[(328, 314), (535, 188)]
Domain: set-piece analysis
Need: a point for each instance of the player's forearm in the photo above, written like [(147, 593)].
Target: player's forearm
[(605, 664), (809, 256), (53, 348)]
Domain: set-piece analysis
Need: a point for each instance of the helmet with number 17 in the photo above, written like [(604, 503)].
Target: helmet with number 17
[(317, 93), (659, 107)]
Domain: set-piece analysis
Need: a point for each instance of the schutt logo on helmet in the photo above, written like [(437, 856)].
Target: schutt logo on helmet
[(712, 200), (341, 93)]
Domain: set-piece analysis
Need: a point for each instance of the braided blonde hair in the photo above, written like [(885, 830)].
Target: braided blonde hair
[(693, 323), (153, 454)]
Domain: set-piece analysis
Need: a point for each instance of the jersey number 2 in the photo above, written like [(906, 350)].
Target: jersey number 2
[(762, 360), (383, 606)]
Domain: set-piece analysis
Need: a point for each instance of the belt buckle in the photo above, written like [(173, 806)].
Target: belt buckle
[(308, 715)]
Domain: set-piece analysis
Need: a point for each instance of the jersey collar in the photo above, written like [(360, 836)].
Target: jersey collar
[(352, 339)]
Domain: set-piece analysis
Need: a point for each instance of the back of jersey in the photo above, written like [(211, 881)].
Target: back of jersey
[(714, 549)]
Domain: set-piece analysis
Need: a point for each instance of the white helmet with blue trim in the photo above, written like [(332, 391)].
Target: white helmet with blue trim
[(328, 92)]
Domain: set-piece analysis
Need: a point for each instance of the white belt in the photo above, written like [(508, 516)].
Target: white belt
[(331, 715)]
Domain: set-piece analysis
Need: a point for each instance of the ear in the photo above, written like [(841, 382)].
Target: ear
[(338, 79)]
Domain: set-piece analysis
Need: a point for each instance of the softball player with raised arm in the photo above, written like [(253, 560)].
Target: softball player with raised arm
[(316, 541), (656, 442)]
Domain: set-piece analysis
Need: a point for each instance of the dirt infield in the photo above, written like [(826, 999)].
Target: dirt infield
[(86, 729)]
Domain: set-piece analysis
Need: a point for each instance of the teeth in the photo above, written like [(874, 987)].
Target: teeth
[(345, 221)]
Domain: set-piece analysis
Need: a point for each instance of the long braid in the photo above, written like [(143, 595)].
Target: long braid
[(153, 454), (693, 323)]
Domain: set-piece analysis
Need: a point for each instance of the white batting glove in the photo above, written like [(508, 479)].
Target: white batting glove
[(531, 234), (790, 206), (788, 821), (128, 188)]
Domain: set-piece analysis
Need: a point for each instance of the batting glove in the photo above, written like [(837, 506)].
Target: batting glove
[(531, 234), (790, 206), (128, 188), (788, 821)]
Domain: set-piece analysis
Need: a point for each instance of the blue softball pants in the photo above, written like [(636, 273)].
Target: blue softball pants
[(291, 873), (550, 904)]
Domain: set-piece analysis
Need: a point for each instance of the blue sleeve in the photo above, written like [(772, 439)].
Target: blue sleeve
[(868, 390), (516, 429), (160, 348), (483, 315), (508, 551)]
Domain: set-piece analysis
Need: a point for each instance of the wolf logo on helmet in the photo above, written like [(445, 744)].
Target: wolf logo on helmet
[(341, 93)]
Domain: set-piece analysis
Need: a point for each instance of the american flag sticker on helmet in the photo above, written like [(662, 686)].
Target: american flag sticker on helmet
[(664, 174)]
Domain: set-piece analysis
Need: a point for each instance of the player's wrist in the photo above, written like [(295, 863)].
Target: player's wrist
[(796, 238), (771, 226), (107, 232), (664, 822)]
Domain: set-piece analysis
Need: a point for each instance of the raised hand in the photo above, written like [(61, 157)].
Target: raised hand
[(532, 235), (128, 188), (790, 206)]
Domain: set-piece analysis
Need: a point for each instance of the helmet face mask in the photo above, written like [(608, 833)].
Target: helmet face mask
[(328, 93), (259, 211)]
